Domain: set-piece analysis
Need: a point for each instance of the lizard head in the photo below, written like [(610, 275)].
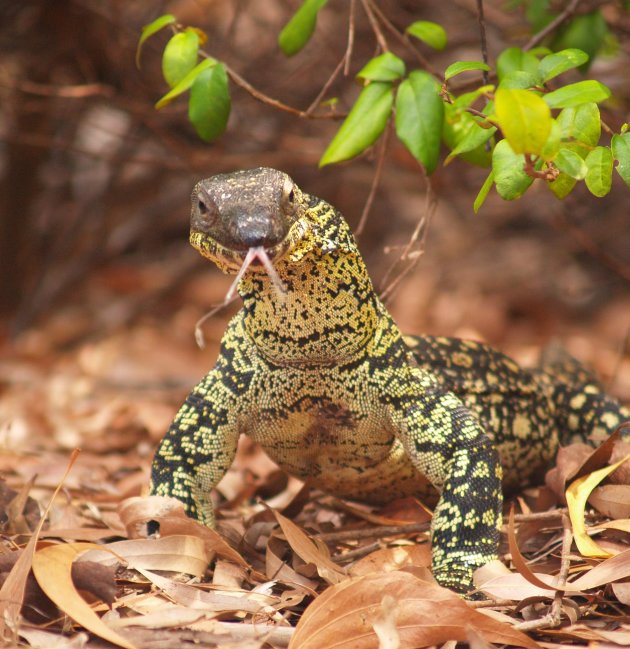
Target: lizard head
[(233, 214)]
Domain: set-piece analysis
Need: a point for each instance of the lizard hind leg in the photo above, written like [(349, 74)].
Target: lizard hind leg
[(584, 412)]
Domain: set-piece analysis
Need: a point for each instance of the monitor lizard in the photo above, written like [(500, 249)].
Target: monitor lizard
[(314, 369)]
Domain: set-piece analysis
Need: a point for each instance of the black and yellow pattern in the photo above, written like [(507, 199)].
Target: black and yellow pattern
[(319, 375)]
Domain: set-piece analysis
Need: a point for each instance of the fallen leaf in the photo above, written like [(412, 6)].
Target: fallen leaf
[(52, 567), (426, 614), (186, 554), (577, 494), (308, 551), (613, 569), (394, 558), (612, 500)]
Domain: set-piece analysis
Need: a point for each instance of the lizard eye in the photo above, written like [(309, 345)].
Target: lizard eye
[(203, 208)]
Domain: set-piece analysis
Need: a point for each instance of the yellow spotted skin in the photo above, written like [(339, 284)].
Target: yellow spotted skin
[(322, 378)]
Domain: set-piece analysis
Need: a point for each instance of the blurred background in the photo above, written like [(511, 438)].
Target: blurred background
[(99, 289)]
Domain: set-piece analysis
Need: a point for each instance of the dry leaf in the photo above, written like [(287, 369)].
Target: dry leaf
[(394, 558), (186, 554), (612, 500), (613, 569), (385, 624), (308, 551), (577, 494), (52, 567), (426, 614)]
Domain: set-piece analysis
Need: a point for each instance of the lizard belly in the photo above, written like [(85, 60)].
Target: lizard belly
[(345, 444)]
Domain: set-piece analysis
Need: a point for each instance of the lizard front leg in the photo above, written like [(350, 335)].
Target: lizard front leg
[(200, 445), (447, 444)]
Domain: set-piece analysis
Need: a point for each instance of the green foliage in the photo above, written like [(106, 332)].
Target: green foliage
[(621, 151), (527, 125), (428, 32), (419, 117), (524, 118), (464, 66), (180, 56), (386, 67), (153, 28), (209, 105), (297, 32), (364, 124)]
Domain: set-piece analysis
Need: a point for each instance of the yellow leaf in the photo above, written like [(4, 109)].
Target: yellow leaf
[(52, 567), (577, 494)]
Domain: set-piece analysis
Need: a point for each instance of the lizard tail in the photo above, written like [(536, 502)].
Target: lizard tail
[(584, 411)]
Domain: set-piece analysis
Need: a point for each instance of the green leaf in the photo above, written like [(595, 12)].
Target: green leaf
[(386, 67), (180, 56), (483, 192), (509, 175), (554, 64), (153, 28), (552, 145), (459, 125), (621, 150), (468, 98), (518, 79), (297, 32), (524, 118), (209, 105), (599, 175), (428, 32), (364, 124), (185, 83), (581, 123), (562, 185), (571, 164), (578, 93), (514, 59), (419, 117), (463, 66), (473, 137), (586, 32)]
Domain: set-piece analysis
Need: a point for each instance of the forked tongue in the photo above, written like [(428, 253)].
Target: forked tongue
[(259, 253)]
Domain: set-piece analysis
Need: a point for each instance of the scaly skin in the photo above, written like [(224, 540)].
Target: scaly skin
[(322, 378)]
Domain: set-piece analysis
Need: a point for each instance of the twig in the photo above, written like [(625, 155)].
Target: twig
[(275, 103), (382, 149), (404, 40), (536, 39), (422, 227), (378, 33), (374, 532), (79, 91), (553, 617), (482, 34), (351, 31), (320, 95), (358, 553)]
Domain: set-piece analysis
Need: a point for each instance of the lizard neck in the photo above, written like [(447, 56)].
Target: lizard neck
[(327, 315)]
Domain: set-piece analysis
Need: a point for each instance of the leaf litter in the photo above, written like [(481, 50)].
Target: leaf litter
[(301, 569)]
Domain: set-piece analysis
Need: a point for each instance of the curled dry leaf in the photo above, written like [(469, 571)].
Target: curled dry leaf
[(426, 614), (613, 569), (568, 461), (52, 567), (169, 513), (577, 494), (309, 552), (178, 553)]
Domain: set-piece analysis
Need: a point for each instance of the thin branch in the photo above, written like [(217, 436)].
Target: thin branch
[(382, 149), (378, 33), (482, 34), (326, 87), (351, 32), (562, 17), (416, 241), (404, 40), (270, 101)]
